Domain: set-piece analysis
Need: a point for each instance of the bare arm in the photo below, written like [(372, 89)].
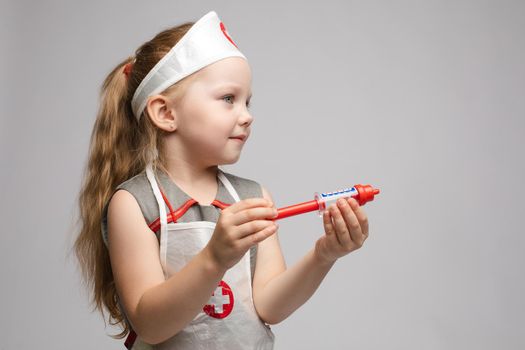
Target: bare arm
[(279, 292), (151, 301), (159, 308), (286, 292)]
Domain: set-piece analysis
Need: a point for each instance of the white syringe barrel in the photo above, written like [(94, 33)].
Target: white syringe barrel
[(326, 199)]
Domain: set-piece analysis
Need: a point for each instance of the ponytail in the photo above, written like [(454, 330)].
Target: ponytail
[(111, 160), (120, 148)]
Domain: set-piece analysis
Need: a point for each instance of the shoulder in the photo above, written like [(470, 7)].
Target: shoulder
[(248, 187), (140, 188), (134, 192), (137, 183)]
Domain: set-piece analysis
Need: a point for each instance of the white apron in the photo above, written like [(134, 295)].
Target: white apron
[(229, 320)]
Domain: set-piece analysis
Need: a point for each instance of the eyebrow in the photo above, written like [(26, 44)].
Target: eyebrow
[(234, 85)]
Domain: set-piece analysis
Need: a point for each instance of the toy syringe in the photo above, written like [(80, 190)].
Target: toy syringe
[(362, 193)]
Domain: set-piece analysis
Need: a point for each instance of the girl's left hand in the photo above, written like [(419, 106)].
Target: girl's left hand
[(347, 233)]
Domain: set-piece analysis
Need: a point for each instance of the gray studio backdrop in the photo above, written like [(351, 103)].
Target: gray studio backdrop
[(423, 99)]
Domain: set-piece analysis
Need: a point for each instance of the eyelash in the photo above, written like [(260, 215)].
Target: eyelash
[(248, 104)]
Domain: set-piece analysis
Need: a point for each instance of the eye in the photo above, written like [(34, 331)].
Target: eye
[(228, 96), (248, 104)]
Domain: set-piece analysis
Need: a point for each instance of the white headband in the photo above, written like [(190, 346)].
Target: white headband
[(207, 41)]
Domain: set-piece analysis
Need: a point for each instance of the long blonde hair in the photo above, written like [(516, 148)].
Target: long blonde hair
[(120, 148)]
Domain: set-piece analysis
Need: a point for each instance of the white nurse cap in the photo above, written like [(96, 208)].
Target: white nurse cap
[(207, 41)]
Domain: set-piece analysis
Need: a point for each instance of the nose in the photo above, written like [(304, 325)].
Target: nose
[(246, 117)]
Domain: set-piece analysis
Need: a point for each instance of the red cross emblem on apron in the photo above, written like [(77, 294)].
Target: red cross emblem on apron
[(221, 302)]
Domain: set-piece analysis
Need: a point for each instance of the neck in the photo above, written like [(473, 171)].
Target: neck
[(190, 174)]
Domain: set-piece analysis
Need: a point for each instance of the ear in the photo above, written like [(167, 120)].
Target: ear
[(161, 113)]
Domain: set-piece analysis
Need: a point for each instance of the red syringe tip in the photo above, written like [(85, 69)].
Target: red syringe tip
[(366, 193)]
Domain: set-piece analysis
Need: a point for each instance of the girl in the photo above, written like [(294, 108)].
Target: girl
[(182, 254)]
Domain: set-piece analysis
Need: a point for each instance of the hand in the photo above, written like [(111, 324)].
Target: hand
[(240, 226), (346, 233)]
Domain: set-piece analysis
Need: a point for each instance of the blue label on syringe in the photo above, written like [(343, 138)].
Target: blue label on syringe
[(338, 194)]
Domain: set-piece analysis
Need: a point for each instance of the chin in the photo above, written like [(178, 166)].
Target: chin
[(232, 160)]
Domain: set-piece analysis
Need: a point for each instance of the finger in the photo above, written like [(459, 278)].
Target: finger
[(251, 214), (340, 227), (351, 221), (247, 203), (360, 214), (259, 236), (252, 227), (327, 223)]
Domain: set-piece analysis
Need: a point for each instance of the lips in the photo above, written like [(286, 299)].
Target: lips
[(239, 137)]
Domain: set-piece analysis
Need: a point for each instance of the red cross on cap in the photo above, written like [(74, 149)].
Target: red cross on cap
[(226, 34)]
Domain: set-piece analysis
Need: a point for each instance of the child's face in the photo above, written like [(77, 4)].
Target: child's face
[(214, 109)]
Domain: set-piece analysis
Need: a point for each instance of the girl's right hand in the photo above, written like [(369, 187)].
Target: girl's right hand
[(240, 226)]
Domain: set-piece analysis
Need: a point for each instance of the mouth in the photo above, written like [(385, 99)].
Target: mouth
[(240, 138)]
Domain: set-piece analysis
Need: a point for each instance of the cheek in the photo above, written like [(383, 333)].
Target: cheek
[(213, 132), (218, 122), (210, 121)]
